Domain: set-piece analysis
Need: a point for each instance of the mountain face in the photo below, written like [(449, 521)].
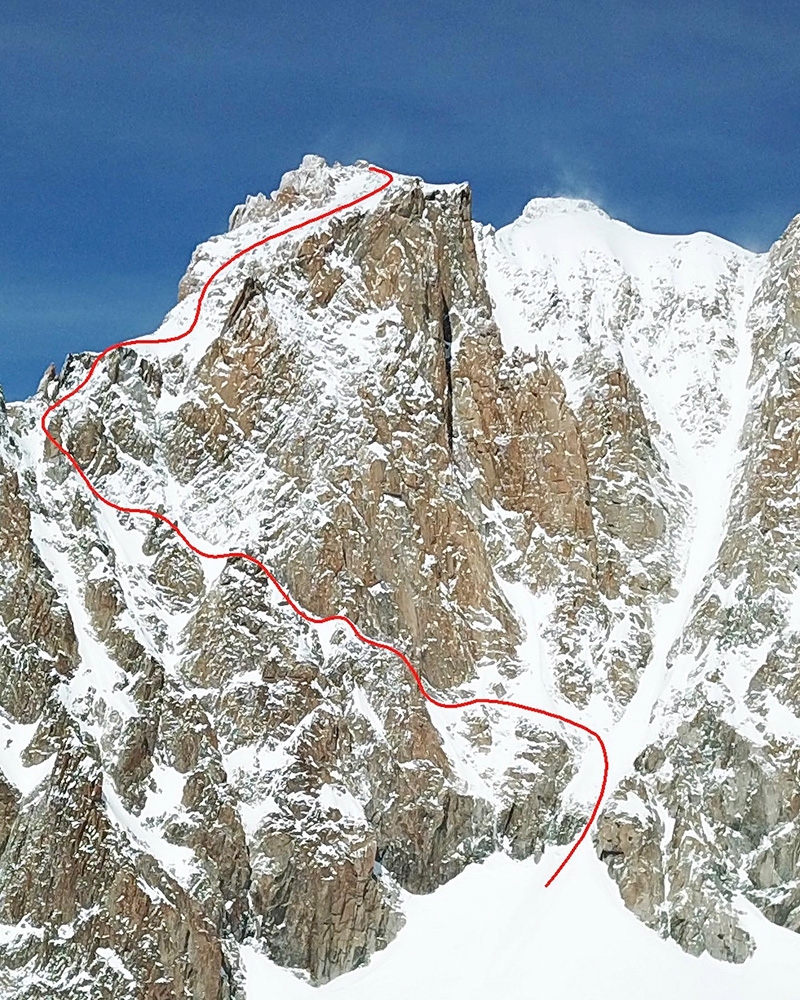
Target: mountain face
[(555, 463)]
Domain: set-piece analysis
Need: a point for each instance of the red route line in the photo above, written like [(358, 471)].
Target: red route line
[(256, 562)]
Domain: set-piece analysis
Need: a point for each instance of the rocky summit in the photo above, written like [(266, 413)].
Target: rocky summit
[(555, 463)]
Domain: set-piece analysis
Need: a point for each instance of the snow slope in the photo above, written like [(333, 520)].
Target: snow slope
[(495, 931)]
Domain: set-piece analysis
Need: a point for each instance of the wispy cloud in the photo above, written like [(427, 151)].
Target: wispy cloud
[(573, 176)]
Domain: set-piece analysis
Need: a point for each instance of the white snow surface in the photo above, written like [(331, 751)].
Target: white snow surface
[(14, 739), (495, 931), (565, 279)]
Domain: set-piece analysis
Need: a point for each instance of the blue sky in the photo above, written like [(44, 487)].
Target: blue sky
[(130, 130)]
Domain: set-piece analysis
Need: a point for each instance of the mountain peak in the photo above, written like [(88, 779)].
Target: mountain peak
[(538, 208), (554, 465), (312, 182)]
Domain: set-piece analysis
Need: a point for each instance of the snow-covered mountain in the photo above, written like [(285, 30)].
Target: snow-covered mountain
[(555, 463)]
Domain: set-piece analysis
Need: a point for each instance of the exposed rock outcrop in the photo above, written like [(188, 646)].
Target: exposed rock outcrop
[(482, 447)]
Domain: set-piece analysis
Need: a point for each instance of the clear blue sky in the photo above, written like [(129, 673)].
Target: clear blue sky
[(131, 129)]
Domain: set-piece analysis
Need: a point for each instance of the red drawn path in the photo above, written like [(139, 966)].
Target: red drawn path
[(244, 555)]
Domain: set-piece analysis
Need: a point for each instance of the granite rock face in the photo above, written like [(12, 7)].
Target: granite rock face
[(555, 463)]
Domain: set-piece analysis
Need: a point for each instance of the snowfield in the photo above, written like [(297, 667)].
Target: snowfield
[(495, 931)]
